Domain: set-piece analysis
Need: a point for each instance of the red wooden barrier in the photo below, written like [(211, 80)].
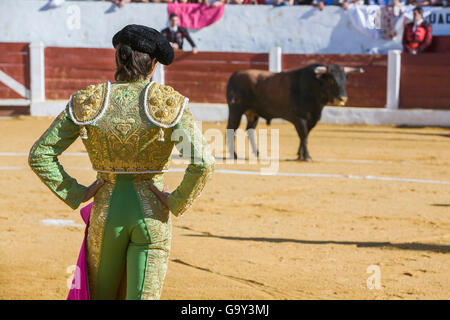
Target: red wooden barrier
[(440, 44), (363, 90), (425, 81), (203, 76), (70, 69), (14, 61)]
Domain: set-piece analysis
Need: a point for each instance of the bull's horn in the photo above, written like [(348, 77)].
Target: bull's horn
[(353, 70), (320, 70)]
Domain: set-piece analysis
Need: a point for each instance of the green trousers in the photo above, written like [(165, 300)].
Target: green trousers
[(129, 239)]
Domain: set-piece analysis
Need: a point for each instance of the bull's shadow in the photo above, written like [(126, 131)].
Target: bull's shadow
[(360, 244), (444, 205), (262, 160), (412, 133)]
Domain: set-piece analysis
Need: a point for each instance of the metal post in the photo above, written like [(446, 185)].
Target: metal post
[(393, 79), (275, 59), (37, 74)]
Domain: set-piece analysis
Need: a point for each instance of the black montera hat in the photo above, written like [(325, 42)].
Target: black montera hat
[(147, 40)]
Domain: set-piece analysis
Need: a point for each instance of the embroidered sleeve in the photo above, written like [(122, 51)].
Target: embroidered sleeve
[(192, 146), (43, 160)]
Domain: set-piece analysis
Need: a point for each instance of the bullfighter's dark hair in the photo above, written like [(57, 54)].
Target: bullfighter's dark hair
[(131, 65), (172, 15)]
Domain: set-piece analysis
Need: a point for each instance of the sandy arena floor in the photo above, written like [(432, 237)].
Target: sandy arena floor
[(260, 236)]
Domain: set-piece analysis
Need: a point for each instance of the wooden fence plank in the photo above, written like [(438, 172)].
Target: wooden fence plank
[(14, 61), (425, 81)]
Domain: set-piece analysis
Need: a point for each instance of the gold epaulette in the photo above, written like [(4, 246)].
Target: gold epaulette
[(88, 104), (163, 105)]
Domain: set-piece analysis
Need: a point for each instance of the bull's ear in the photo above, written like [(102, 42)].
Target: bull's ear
[(348, 70), (320, 70)]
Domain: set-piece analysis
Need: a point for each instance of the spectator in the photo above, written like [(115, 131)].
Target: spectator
[(320, 4), (344, 4), (213, 3), (421, 3), (175, 34), (417, 34), (118, 3), (386, 2), (245, 2), (279, 3), (395, 4), (273, 2)]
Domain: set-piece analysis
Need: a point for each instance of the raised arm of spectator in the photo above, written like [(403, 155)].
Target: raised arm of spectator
[(346, 3), (119, 3), (319, 4), (398, 3), (420, 3), (189, 39)]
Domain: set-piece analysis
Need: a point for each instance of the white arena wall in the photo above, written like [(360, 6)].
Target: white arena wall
[(331, 114), (299, 29)]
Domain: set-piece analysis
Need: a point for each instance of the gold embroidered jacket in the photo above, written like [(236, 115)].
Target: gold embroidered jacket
[(126, 127)]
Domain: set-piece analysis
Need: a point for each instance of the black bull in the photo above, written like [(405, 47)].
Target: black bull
[(297, 96)]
